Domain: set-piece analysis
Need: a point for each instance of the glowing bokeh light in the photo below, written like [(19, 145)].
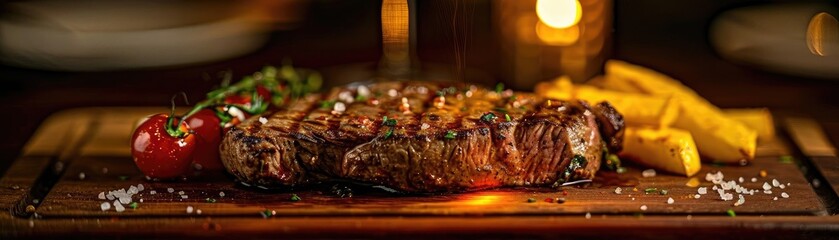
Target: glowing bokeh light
[(559, 13)]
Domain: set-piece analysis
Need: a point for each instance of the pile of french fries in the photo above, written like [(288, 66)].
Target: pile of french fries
[(668, 125)]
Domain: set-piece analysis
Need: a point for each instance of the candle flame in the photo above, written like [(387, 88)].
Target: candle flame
[(559, 13)]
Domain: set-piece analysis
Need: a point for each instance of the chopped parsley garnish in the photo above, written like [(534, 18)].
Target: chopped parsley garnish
[(650, 190), (210, 200), (360, 98), (663, 192), (731, 213), (507, 116), (531, 200), (134, 205), (451, 134), (390, 122), (294, 197), (499, 88), (327, 104), (488, 117), (388, 133)]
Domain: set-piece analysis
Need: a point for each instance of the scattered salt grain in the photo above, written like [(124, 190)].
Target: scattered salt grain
[(784, 195), (782, 186), (141, 200), (633, 199), (125, 200), (181, 193), (392, 92), (118, 207), (198, 211), (741, 180), (110, 196), (775, 198), (740, 201), (643, 207), (588, 215), (81, 176), (696, 196), (140, 187), (105, 206), (648, 173), (184, 196), (102, 195), (702, 190), (189, 209), (221, 194), (714, 188), (133, 190), (767, 191), (152, 192), (618, 190), (766, 186), (754, 179), (263, 120), (775, 183), (670, 200), (170, 190)]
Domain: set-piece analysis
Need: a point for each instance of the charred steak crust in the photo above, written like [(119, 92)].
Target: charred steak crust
[(437, 138)]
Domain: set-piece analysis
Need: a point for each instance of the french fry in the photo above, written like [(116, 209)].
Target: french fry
[(667, 149), (718, 137), (758, 119), (636, 109)]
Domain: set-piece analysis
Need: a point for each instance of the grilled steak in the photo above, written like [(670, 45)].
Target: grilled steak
[(423, 137)]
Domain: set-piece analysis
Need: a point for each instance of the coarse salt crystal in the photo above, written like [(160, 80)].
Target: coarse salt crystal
[(648, 173), (364, 91), (170, 190), (132, 190), (140, 187), (184, 196), (643, 207), (125, 200), (152, 192), (767, 191), (754, 179), (424, 126), (775, 198), (782, 186), (110, 196), (118, 206), (346, 97), (189, 209), (696, 196), (775, 183), (392, 92), (766, 186), (714, 188), (702, 190), (339, 107), (588, 215), (263, 120), (102, 195), (670, 200), (181, 192), (221, 194), (105, 206), (741, 180), (784, 195), (618, 190)]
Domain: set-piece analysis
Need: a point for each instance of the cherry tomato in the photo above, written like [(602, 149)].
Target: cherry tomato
[(207, 127), (157, 153), (240, 99), (264, 93)]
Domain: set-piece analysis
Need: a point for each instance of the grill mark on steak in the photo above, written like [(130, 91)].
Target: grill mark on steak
[(305, 144)]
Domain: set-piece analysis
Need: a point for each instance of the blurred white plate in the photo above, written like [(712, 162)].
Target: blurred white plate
[(97, 35)]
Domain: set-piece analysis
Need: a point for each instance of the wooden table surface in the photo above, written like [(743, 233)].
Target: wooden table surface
[(657, 34)]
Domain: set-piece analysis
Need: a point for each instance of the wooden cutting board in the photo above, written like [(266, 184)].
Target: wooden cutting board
[(77, 154)]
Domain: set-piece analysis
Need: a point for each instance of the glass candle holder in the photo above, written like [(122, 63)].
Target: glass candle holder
[(544, 39)]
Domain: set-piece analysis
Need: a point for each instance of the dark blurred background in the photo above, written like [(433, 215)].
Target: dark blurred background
[(668, 36)]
